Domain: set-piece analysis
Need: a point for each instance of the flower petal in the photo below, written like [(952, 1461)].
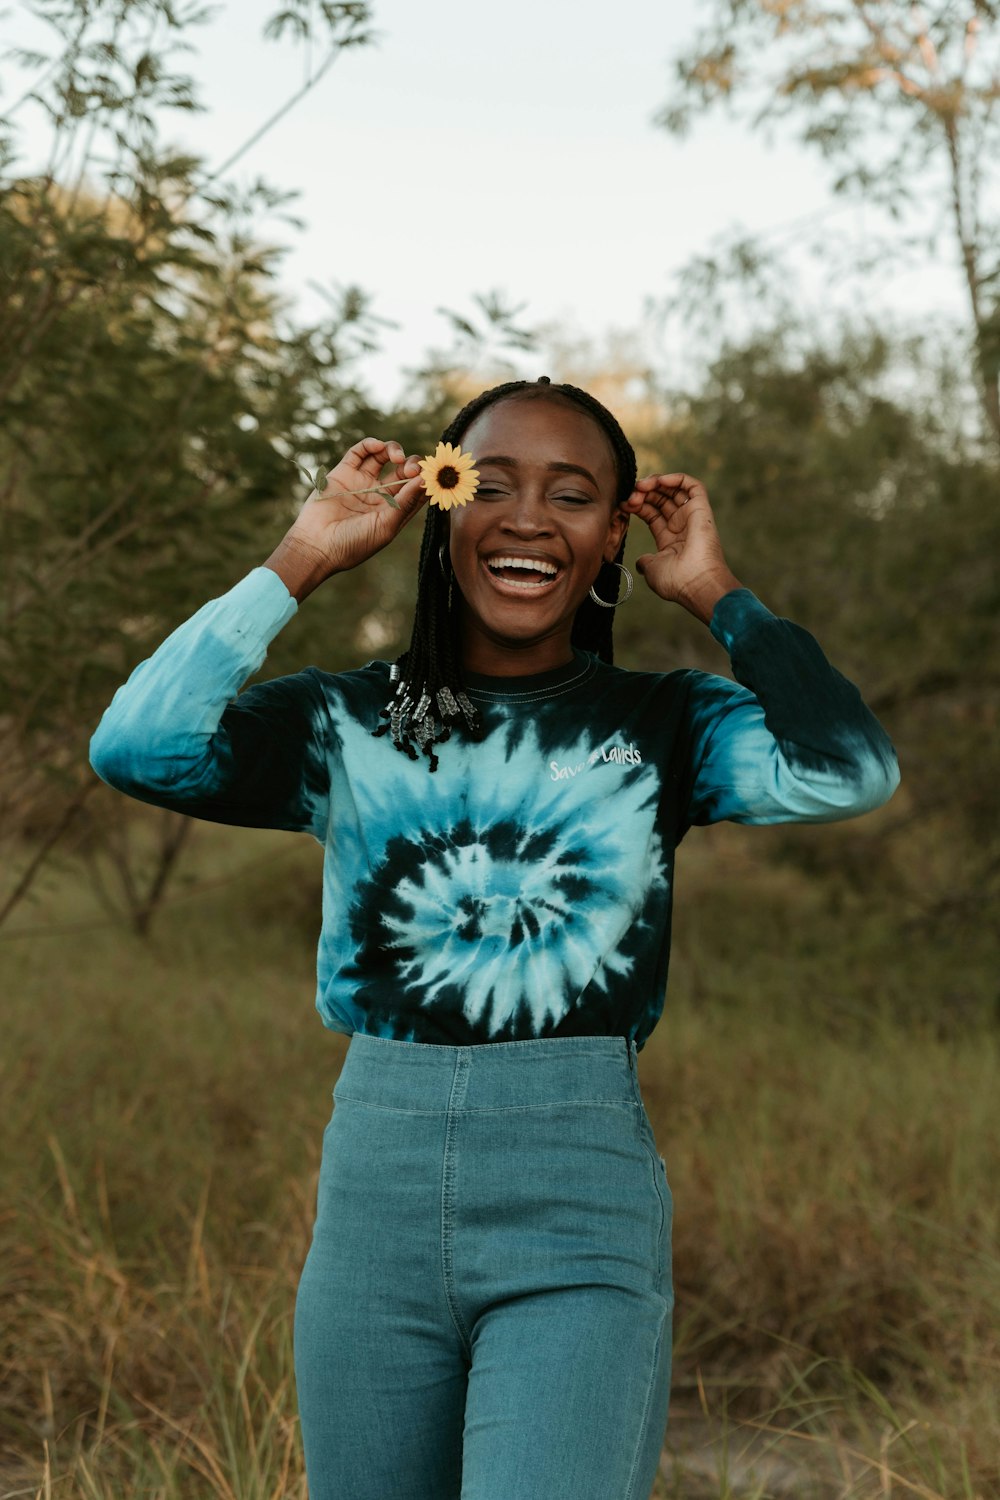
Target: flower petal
[(449, 456)]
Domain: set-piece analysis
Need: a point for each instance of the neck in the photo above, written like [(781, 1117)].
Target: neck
[(495, 656)]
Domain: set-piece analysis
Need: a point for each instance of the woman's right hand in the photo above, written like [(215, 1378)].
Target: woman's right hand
[(339, 529)]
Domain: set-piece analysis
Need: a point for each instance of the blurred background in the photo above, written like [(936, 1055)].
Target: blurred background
[(235, 240)]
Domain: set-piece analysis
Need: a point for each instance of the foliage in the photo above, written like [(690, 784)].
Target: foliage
[(888, 93), (144, 332), (156, 402), (852, 497)]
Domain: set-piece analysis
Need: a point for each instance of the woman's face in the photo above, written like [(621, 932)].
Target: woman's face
[(547, 491)]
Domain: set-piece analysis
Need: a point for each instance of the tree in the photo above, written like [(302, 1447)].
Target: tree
[(863, 518), (888, 92), (478, 355), (152, 405)]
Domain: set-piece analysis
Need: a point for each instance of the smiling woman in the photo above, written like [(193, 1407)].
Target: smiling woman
[(533, 539), (486, 1306), (557, 471)]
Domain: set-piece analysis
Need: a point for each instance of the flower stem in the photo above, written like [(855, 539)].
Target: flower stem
[(375, 489), (318, 482)]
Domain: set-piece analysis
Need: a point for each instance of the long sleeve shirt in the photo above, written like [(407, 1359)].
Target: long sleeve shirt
[(524, 888)]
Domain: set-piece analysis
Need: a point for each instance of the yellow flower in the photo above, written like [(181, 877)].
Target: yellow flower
[(449, 477)]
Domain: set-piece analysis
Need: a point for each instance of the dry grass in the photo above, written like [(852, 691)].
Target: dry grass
[(833, 1163)]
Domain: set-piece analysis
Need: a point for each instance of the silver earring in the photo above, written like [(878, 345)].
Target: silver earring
[(441, 551), (628, 588)]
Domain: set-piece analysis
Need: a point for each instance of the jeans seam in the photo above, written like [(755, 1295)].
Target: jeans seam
[(630, 1490), (485, 1047), (459, 1083), (500, 1109), (645, 1133)]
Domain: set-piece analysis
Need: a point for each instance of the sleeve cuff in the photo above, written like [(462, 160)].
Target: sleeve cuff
[(734, 614), (258, 606)]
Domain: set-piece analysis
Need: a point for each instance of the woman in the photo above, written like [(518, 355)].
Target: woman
[(485, 1309)]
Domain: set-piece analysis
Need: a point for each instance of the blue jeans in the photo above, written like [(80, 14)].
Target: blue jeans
[(485, 1310)]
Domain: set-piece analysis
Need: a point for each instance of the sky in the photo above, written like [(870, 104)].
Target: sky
[(508, 148)]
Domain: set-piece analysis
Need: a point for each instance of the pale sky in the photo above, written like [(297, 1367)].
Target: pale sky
[(510, 148)]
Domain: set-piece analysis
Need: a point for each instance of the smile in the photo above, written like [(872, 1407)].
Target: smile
[(516, 588)]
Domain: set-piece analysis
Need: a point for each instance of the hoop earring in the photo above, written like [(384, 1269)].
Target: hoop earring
[(628, 588), (445, 571)]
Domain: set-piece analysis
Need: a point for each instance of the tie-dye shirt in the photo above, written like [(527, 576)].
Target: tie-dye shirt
[(524, 888)]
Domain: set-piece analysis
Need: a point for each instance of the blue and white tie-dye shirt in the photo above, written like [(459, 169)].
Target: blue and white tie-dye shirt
[(524, 888)]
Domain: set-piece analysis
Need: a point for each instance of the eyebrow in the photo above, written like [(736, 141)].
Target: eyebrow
[(556, 466)]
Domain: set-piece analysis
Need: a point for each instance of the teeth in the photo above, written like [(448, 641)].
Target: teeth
[(522, 562), (519, 583)]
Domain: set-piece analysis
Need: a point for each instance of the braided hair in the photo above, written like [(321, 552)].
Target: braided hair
[(428, 675)]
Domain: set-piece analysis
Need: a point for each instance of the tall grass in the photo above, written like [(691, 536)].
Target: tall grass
[(830, 1136)]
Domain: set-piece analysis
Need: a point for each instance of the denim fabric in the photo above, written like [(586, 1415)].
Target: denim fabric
[(485, 1310)]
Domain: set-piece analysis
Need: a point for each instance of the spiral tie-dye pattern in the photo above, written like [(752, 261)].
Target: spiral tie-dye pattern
[(527, 890)]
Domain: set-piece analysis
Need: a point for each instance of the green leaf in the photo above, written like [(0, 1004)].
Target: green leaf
[(320, 481), (295, 464), (391, 501)]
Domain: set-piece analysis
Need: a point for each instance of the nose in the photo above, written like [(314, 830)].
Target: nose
[(527, 514)]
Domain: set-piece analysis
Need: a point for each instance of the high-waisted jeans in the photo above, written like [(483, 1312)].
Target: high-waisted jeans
[(485, 1310)]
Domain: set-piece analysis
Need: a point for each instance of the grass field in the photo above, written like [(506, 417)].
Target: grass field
[(830, 1131)]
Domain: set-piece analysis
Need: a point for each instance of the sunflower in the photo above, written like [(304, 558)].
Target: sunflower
[(449, 477)]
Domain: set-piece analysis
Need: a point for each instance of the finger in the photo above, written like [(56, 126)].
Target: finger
[(397, 487), (660, 512), (670, 481), (640, 502), (403, 485), (358, 452), (407, 469), (681, 488), (371, 454), (404, 466), (656, 510), (667, 485), (410, 498), (409, 466), (666, 521)]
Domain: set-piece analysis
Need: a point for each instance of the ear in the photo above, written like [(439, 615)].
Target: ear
[(617, 527)]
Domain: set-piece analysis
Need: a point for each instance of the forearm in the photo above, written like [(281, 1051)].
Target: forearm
[(157, 730), (701, 597), (299, 567), (792, 739)]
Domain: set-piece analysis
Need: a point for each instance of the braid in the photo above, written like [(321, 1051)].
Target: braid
[(428, 674)]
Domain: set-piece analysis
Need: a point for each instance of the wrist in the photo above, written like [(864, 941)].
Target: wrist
[(300, 567), (701, 596)]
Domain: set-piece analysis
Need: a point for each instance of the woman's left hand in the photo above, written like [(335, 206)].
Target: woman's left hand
[(689, 566)]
